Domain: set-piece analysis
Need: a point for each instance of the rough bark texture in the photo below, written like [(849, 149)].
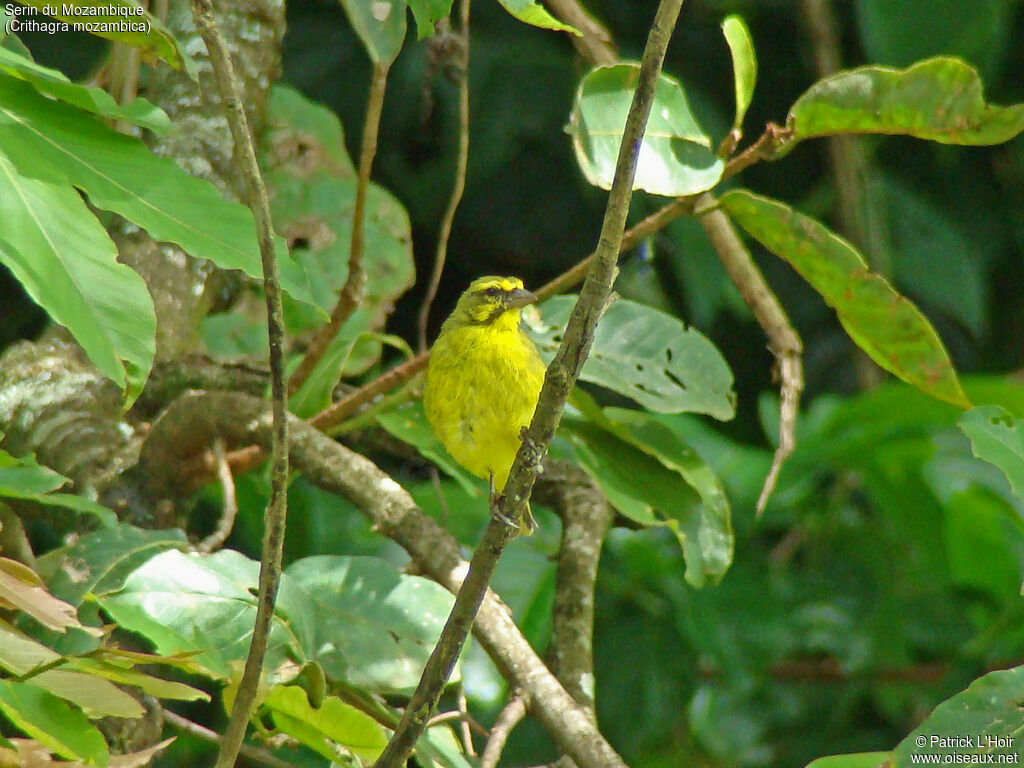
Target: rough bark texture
[(52, 401)]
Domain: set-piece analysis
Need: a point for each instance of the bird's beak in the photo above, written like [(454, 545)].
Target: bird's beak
[(520, 297)]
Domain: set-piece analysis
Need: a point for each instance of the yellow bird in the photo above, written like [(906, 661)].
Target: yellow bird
[(483, 380)]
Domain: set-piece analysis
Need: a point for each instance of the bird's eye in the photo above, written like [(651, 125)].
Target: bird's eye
[(493, 292)]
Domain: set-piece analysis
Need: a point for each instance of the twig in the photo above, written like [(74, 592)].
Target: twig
[(510, 716), (467, 722), (196, 418), (782, 337), (205, 734), (595, 44), (355, 284), (274, 518), (459, 185), (227, 517), (559, 380)]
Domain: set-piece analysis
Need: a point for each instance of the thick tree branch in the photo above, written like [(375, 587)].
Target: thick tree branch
[(274, 518)]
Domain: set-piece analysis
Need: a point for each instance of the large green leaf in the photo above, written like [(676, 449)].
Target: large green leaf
[(99, 562), (744, 65), (883, 323), (369, 624), (675, 154), (332, 721), (534, 13), (939, 99), (51, 722), (54, 83), (426, 13), (997, 438), (985, 719), (647, 355), (68, 264), (652, 476), (190, 603), (859, 760), (380, 24), (54, 142), (129, 23)]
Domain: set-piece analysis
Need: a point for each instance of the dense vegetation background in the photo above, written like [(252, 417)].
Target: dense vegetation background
[(885, 574)]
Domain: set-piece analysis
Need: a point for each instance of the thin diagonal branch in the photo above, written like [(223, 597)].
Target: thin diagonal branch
[(459, 185), (558, 381), (355, 284), (782, 337), (274, 519)]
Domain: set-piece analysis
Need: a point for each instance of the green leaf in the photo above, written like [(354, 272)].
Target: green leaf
[(988, 713), (51, 722), (130, 24), (648, 356), (997, 438), (369, 624), (643, 466), (333, 721), (53, 142), (880, 321), (99, 562), (54, 83), (21, 588), (409, 424), (533, 13), (380, 24), (744, 65), (190, 603), (859, 760), (675, 154), (68, 264), (95, 696), (154, 686), (939, 99), (426, 12)]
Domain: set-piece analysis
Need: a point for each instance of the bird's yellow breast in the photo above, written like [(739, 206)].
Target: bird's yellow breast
[(482, 387)]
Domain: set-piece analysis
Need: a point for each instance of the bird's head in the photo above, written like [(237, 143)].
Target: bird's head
[(491, 300)]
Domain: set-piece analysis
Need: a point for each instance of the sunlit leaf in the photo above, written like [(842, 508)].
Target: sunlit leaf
[(57, 143), (938, 99), (332, 721), (859, 760), (648, 356), (54, 83), (52, 723), (883, 323), (675, 154), (530, 12), (67, 263)]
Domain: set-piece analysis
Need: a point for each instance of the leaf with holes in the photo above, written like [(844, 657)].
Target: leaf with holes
[(648, 356)]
